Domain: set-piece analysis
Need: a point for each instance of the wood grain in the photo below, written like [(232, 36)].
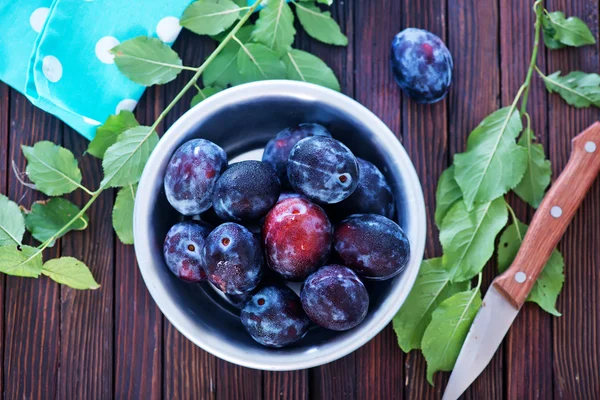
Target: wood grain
[(31, 309), (576, 334), (474, 42), (379, 363), (425, 137), (87, 316), (528, 344), (138, 359)]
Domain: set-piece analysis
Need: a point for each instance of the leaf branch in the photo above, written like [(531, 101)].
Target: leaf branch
[(538, 9)]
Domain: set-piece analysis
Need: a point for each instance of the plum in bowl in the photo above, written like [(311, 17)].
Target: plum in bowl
[(242, 120)]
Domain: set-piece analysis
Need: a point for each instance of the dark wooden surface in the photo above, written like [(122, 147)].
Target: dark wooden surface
[(114, 342)]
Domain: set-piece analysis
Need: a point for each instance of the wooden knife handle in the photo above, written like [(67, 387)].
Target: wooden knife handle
[(553, 217)]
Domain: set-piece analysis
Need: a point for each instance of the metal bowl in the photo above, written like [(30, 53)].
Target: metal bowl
[(240, 120)]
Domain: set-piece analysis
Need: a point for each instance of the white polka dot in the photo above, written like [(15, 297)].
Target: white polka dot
[(520, 277), (556, 212), (52, 68), (103, 47), (91, 121), (37, 19), (590, 147), (167, 29), (127, 104)]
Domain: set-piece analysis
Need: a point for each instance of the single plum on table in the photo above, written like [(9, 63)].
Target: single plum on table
[(246, 191), (335, 298), (372, 245), (191, 175), (274, 317), (233, 259), (422, 65), (278, 149), (373, 194), (323, 169), (182, 250), (297, 237)]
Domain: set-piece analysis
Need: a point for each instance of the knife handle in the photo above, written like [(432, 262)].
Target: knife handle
[(553, 217)]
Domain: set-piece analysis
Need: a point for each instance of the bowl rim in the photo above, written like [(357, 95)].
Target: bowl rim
[(277, 361)]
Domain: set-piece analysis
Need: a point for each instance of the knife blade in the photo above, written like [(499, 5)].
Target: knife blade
[(508, 292)]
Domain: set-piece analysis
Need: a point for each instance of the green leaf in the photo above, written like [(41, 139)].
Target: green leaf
[(549, 284), (328, 2), (23, 261), (559, 32), (122, 215), (48, 217), (107, 134), (493, 163), (538, 174), (223, 70), (124, 161), (204, 94), (448, 329), (210, 17), (71, 272), (468, 237), (12, 225), (275, 27), (256, 62), (303, 66), (147, 61), (320, 25), (577, 88), (430, 289), (447, 194), (52, 168)]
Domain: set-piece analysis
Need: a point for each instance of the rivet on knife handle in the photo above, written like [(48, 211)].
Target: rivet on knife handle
[(553, 216)]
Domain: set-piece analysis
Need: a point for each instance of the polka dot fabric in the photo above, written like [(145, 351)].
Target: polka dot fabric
[(61, 60)]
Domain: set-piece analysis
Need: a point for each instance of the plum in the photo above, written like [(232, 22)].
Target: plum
[(191, 175), (274, 317), (323, 169), (246, 191), (422, 65), (335, 298), (182, 250), (278, 149), (233, 259), (374, 246), (297, 237), (373, 195)]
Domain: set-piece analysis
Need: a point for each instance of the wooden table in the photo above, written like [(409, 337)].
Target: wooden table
[(114, 342)]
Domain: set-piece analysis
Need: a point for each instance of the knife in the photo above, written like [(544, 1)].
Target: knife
[(508, 292)]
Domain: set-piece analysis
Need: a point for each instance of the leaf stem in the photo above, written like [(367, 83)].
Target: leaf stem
[(537, 7)]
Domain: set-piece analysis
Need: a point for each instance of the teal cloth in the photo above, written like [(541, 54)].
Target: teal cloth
[(55, 52)]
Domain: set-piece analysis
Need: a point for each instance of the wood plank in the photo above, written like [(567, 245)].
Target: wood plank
[(87, 317), (473, 38), (576, 335), (473, 31), (285, 385), (4, 168), (379, 370), (338, 378), (528, 345), (188, 371), (31, 309), (138, 321), (425, 137)]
